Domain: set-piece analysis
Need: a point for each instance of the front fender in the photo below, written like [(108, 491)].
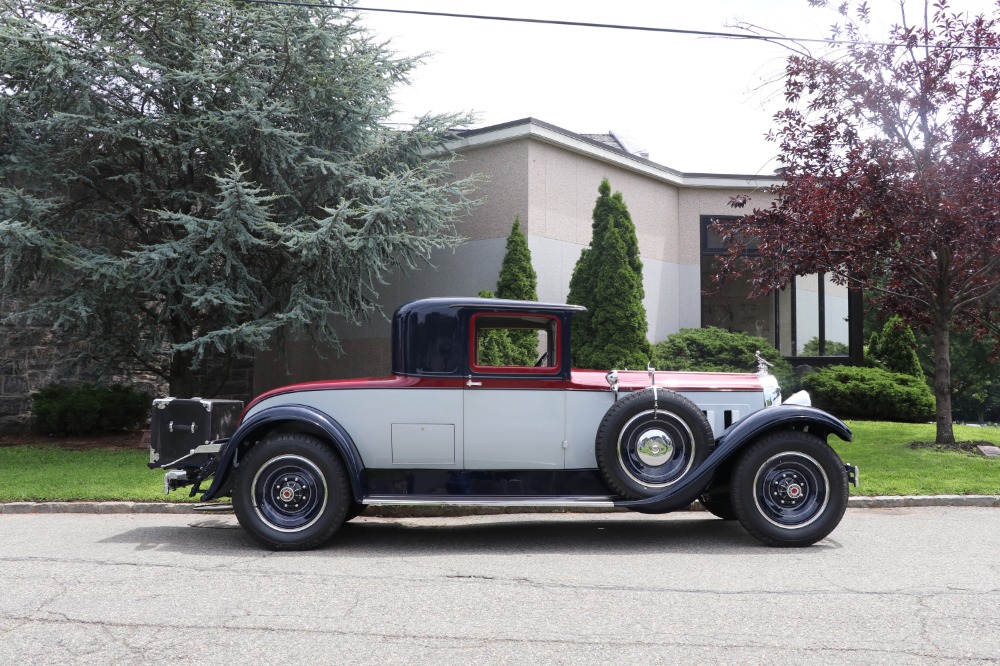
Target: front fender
[(260, 422), (730, 443)]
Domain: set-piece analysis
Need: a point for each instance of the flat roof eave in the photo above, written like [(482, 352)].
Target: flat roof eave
[(539, 130)]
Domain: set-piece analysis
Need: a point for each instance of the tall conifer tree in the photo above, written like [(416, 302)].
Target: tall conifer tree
[(518, 281), (608, 277), (188, 176)]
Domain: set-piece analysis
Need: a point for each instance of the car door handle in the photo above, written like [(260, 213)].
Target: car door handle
[(471, 383)]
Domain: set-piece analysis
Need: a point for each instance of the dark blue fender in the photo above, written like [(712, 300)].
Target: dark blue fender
[(729, 445), (296, 414)]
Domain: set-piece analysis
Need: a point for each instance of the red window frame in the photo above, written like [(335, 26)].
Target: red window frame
[(556, 345)]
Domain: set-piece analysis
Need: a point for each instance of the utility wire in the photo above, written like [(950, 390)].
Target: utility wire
[(610, 26)]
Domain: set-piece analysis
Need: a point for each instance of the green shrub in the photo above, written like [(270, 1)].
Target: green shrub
[(718, 350), (832, 348), (895, 348), (870, 393), (88, 409)]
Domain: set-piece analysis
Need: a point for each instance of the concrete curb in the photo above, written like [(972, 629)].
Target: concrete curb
[(858, 502)]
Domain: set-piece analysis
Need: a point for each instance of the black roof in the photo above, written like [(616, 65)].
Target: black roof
[(437, 304)]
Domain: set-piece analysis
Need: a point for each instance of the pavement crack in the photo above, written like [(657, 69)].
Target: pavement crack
[(816, 651)]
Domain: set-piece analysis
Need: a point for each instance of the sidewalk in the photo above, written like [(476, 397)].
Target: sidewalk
[(859, 502)]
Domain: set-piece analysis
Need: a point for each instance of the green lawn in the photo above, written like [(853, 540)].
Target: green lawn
[(38, 473), (888, 467)]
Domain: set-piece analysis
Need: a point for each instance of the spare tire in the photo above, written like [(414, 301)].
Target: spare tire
[(650, 440)]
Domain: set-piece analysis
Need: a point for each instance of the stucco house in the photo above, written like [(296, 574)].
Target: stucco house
[(548, 176)]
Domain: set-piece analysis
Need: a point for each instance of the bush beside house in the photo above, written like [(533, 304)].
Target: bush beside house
[(870, 393), (718, 350)]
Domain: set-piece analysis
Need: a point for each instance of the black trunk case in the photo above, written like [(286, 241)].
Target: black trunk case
[(181, 425)]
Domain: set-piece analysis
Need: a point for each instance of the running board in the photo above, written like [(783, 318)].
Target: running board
[(487, 500), (213, 508)]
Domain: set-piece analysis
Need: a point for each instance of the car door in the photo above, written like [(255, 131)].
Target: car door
[(514, 414)]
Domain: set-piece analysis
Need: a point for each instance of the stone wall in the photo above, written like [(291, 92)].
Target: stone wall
[(238, 385), (30, 358)]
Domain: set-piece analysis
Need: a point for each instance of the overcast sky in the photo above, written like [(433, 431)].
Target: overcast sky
[(697, 104)]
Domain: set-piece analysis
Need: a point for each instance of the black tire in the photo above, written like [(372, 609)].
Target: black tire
[(354, 510), (291, 492), (789, 489), (719, 505), (647, 443)]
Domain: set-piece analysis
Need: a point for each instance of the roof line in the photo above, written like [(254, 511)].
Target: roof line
[(523, 127)]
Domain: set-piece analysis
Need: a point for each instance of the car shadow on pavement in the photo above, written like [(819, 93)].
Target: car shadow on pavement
[(454, 536)]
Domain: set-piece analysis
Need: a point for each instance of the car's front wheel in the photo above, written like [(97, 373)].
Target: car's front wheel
[(789, 489), (291, 492)]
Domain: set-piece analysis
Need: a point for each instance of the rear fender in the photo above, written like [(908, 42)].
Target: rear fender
[(731, 443), (265, 421)]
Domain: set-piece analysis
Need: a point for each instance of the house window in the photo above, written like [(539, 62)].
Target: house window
[(512, 343), (812, 318)]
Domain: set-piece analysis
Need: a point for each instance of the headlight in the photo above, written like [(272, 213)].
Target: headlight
[(772, 392)]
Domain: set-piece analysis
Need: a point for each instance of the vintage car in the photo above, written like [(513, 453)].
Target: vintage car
[(447, 429)]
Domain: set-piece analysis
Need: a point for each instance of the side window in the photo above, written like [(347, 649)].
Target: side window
[(514, 343)]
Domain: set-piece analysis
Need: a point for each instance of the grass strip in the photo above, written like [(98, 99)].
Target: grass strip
[(880, 449), (890, 467), (52, 473)]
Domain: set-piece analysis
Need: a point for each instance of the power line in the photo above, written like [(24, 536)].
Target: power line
[(607, 26)]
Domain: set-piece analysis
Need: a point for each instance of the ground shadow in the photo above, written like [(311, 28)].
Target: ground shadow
[(389, 537)]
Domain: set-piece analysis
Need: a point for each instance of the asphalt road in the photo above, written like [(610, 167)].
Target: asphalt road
[(891, 586)]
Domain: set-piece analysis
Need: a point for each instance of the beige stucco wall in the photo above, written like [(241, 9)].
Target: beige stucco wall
[(563, 188), (553, 190), (503, 191)]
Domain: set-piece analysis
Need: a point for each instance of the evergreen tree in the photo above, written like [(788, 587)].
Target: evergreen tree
[(618, 325), (188, 176), (897, 348), (519, 282), (495, 346), (594, 345)]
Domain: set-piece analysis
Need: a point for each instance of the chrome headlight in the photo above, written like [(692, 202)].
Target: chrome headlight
[(772, 392)]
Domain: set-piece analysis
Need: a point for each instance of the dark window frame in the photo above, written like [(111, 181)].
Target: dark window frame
[(855, 309), (554, 344)]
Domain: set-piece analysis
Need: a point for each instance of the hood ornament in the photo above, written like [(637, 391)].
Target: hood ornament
[(762, 365)]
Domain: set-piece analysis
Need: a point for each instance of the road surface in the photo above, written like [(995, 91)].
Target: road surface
[(893, 586)]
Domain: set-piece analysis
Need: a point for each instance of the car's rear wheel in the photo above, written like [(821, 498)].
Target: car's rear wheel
[(291, 492), (650, 440), (789, 489)]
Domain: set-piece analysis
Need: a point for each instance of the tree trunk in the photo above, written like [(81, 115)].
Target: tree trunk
[(942, 383), (181, 376)]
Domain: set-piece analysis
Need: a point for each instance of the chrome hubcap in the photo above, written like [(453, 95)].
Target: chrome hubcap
[(655, 448)]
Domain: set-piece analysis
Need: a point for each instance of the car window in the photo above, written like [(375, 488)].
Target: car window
[(510, 342)]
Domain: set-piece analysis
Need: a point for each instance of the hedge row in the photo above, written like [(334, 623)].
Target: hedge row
[(88, 409), (870, 393)]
